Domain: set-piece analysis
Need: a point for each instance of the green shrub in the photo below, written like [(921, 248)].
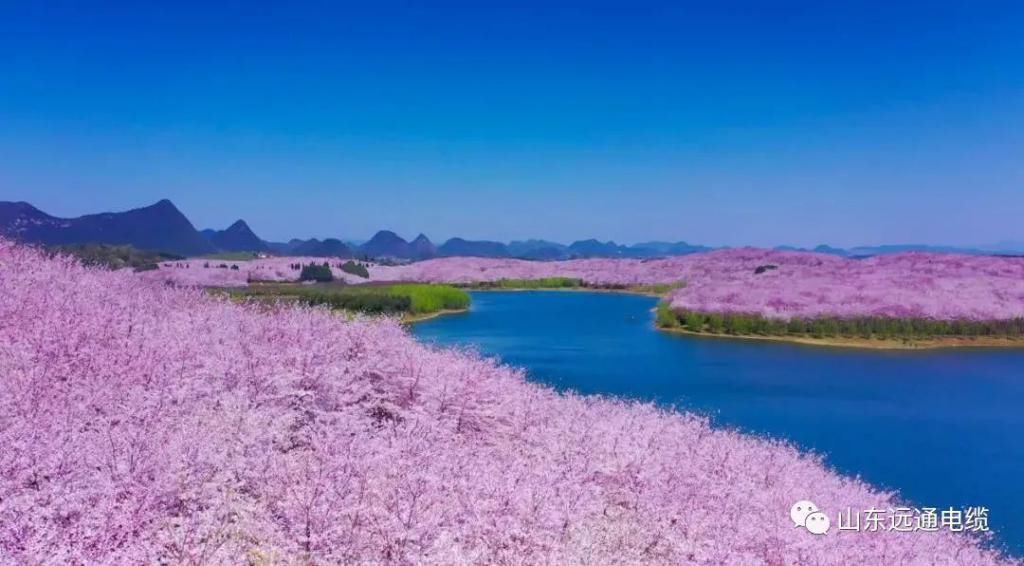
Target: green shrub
[(370, 303), (716, 324), (315, 272), (694, 321), (355, 268), (665, 317), (827, 327)]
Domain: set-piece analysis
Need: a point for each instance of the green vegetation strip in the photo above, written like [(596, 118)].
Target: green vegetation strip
[(572, 283), (830, 327), (542, 283), (115, 257), (413, 298)]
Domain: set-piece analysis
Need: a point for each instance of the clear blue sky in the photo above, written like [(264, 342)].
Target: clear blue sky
[(743, 123)]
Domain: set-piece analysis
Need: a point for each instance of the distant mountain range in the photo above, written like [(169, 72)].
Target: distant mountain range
[(329, 247), (162, 227), (157, 227), (1002, 248)]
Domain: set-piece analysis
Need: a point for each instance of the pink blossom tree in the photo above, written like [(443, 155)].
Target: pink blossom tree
[(142, 423)]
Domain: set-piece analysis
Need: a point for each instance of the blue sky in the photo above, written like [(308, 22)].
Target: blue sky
[(739, 123)]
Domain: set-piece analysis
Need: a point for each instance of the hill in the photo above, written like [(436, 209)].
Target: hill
[(236, 238), (386, 243), (422, 247), (471, 248), (160, 226), (329, 247), (116, 257)]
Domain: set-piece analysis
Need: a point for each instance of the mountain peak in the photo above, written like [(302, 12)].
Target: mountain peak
[(386, 243), (237, 238), (386, 236), (239, 225), (164, 203), (422, 247)]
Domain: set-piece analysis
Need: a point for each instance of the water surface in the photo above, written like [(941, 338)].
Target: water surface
[(942, 427)]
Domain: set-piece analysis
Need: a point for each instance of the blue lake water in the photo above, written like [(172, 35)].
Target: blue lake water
[(942, 427)]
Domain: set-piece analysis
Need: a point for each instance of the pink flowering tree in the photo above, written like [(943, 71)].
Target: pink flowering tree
[(142, 423)]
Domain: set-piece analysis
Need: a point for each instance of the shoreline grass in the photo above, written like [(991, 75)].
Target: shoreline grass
[(866, 343), (571, 284), (862, 332)]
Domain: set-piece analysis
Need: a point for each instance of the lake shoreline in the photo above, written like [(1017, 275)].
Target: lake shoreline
[(414, 318), (948, 342), (855, 343), (565, 290)]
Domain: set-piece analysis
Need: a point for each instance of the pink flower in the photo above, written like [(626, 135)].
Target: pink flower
[(143, 423)]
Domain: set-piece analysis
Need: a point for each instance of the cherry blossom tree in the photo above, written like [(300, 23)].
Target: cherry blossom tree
[(142, 423)]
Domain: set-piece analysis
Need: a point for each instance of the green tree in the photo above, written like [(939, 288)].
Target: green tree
[(318, 273)]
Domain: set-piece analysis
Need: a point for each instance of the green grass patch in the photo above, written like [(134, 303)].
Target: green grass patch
[(428, 298), (412, 298)]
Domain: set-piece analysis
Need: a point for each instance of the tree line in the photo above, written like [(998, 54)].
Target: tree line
[(827, 327)]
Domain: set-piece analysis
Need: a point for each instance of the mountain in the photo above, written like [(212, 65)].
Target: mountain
[(387, 244), (237, 238), (538, 249), (160, 227), (479, 248), (1006, 247), (647, 249), (868, 251), (284, 248), (826, 249), (864, 251), (594, 248), (329, 247), (16, 217), (422, 247)]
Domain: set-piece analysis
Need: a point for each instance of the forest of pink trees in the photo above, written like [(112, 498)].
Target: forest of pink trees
[(142, 423), (797, 284)]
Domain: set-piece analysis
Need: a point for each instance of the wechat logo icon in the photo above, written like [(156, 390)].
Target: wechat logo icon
[(805, 514)]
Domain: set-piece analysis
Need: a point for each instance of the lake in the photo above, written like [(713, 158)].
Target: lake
[(941, 427)]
